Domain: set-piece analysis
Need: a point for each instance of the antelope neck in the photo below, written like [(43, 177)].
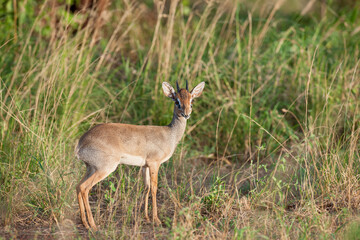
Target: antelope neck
[(177, 126)]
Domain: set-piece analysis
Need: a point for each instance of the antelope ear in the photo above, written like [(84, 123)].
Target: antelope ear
[(196, 92), (168, 90)]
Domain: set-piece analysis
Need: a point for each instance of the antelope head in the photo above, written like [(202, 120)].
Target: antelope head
[(182, 97)]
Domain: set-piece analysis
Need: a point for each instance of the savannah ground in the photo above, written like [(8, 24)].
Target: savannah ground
[(271, 150)]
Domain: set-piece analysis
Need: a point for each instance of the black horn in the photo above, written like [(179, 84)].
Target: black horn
[(177, 86), (187, 85)]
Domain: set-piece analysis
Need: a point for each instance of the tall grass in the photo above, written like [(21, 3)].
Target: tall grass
[(271, 149)]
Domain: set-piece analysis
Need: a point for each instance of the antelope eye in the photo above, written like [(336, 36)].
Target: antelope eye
[(177, 102)]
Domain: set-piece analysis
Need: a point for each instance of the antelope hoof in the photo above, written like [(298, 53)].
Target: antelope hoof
[(157, 221), (147, 219), (86, 225), (93, 228)]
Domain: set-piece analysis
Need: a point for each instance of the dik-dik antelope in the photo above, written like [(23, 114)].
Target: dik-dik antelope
[(107, 145)]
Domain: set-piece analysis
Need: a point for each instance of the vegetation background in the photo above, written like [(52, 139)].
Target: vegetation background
[(271, 150)]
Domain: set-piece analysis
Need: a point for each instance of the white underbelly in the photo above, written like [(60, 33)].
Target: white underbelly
[(132, 160), (167, 157)]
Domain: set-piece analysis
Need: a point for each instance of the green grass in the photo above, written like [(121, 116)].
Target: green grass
[(271, 150)]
